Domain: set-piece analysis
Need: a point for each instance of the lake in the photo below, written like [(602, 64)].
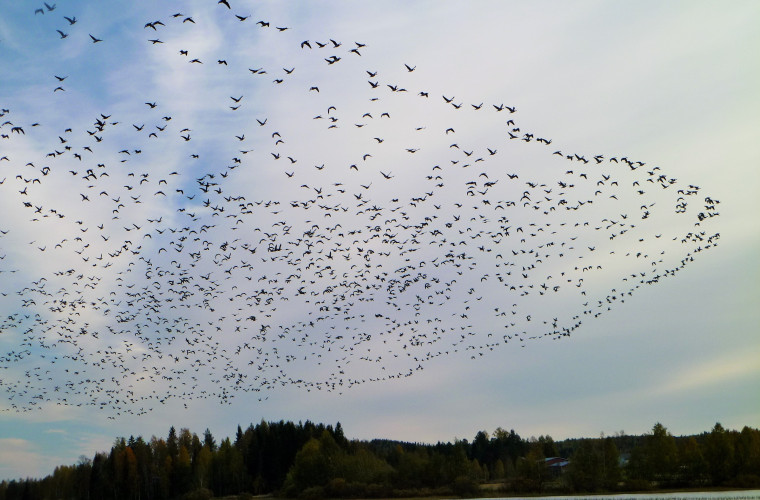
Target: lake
[(679, 495)]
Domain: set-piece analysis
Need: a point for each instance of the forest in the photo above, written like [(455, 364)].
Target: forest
[(308, 460)]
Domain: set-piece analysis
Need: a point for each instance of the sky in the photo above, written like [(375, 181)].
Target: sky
[(451, 217)]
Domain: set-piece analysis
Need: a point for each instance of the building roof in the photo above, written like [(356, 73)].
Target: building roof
[(556, 462)]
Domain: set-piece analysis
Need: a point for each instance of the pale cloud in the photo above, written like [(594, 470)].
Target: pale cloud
[(20, 458), (718, 372)]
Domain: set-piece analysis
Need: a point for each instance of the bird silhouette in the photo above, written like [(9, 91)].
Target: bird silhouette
[(212, 274)]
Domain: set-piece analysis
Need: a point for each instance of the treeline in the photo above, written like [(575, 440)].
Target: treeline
[(317, 461)]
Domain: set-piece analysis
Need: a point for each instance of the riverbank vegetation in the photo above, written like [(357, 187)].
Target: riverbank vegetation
[(307, 460)]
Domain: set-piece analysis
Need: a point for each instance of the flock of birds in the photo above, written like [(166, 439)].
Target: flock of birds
[(329, 224)]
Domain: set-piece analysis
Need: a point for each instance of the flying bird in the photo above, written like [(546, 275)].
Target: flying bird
[(194, 271)]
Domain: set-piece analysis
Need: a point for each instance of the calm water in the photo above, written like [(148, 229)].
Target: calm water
[(690, 495)]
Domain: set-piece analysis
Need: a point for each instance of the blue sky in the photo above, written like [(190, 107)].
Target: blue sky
[(674, 86)]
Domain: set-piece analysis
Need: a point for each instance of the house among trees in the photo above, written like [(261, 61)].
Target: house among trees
[(556, 465)]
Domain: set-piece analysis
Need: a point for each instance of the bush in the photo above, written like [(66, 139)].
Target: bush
[(313, 493), (746, 481), (377, 490), (199, 494), (465, 486), (524, 485), (637, 485), (288, 490), (336, 487), (355, 490)]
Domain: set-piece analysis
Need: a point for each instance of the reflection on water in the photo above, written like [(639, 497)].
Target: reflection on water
[(679, 495)]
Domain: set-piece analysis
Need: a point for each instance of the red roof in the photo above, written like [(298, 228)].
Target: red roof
[(556, 462)]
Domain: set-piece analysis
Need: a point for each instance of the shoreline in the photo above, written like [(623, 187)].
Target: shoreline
[(620, 494)]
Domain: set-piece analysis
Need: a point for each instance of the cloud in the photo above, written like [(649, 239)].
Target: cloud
[(38, 447), (20, 458), (712, 373)]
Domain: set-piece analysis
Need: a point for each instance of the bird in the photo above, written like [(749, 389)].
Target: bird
[(195, 270)]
